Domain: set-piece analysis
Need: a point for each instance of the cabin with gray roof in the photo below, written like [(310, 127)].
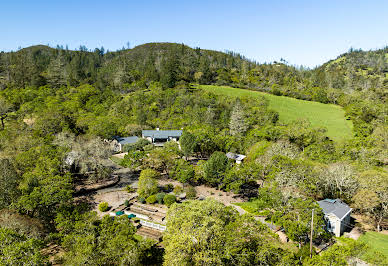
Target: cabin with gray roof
[(159, 137), (121, 141), (337, 215)]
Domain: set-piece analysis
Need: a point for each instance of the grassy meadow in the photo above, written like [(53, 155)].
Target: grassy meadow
[(329, 116), (376, 241)]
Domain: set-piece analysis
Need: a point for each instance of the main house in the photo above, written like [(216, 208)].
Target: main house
[(337, 215), (158, 137)]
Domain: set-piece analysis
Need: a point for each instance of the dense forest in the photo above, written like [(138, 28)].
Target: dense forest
[(58, 105)]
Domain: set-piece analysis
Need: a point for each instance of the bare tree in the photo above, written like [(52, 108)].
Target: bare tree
[(5, 108)]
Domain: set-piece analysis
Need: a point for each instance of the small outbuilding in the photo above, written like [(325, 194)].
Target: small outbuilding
[(337, 215), (121, 141), (238, 158)]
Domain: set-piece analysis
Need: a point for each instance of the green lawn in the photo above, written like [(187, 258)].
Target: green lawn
[(248, 206), (116, 160), (330, 116), (376, 241)]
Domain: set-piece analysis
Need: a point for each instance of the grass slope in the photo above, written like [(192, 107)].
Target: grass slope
[(329, 116), (376, 241)]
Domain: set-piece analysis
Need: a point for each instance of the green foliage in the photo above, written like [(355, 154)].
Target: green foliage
[(188, 143), (53, 122), (148, 185), (183, 171), (160, 197), (331, 117), (168, 187), (139, 145), (338, 254), (45, 199), (107, 241), (133, 159), (151, 199), (103, 206), (9, 192), (191, 193), (178, 189), (215, 168), (295, 218), (268, 199), (17, 249), (169, 199), (130, 189), (207, 232), (377, 242)]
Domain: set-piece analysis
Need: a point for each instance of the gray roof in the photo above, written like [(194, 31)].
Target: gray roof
[(162, 134), (127, 140), (334, 206), (235, 156)]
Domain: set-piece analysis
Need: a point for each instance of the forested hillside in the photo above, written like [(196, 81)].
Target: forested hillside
[(59, 110)]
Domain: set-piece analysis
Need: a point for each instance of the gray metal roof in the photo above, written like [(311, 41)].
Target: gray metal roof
[(162, 134), (235, 156), (127, 140), (334, 206)]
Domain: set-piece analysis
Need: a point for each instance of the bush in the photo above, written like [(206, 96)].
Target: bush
[(126, 203), (191, 193), (160, 196), (103, 206), (130, 189), (141, 200), (169, 199), (169, 187), (183, 171), (178, 190), (151, 199), (148, 185)]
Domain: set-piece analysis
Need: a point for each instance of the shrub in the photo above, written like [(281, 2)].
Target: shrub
[(191, 193), (151, 199), (183, 171), (141, 200), (126, 203), (169, 187), (103, 206), (169, 199), (130, 189), (148, 185), (178, 190), (160, 196)]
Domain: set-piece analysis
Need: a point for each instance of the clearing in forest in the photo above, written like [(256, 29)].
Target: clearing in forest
[(329, 116), (376, 241)]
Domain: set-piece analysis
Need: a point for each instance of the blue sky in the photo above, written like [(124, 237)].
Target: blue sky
[(302, 32)]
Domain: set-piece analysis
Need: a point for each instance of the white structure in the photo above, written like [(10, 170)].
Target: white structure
[(236, 157), (337, 215), (153, 225)]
